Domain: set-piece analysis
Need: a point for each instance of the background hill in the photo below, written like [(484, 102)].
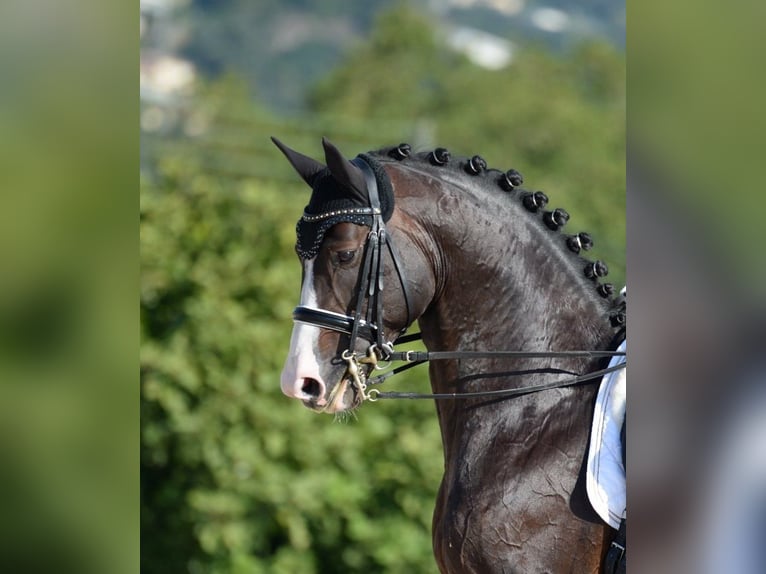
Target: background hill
[(281, 48)]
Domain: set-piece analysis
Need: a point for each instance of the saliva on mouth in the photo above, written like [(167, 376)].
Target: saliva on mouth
[(339, 403), (357, 392)]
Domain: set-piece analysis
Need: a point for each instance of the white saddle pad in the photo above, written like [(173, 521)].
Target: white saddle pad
[(606, 474)]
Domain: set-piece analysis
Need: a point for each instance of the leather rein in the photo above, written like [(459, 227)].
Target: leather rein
[(368, 326)]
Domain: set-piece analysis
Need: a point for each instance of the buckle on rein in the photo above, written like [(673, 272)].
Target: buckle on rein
[(358, 378)]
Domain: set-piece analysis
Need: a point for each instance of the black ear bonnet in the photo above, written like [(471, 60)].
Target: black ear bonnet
[(329, 196)]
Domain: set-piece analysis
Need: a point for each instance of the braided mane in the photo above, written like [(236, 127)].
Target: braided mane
[(535, 202)]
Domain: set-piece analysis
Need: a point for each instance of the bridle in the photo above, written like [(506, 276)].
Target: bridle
[(369, 325)]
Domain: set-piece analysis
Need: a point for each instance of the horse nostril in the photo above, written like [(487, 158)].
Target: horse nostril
[(312, 388)]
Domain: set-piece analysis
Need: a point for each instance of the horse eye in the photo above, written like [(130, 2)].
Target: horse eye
[(346, 256)]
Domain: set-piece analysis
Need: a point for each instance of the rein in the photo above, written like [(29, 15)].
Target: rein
[(370, 327), (375, 394)]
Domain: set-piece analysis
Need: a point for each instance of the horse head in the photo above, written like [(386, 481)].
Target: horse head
[(352, 271)]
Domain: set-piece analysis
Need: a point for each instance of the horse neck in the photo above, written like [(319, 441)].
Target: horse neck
[(504, 282)]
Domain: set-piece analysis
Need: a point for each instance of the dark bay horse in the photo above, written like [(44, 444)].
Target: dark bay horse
[(393, 237)]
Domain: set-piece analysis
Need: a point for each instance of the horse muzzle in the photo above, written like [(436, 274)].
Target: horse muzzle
[(351, 391)]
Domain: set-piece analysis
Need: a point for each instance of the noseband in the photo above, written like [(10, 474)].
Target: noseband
[(369, 325)]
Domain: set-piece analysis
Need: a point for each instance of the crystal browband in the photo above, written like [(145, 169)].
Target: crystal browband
[(351, 211)]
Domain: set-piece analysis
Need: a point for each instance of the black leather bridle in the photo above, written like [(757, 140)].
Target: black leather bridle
[(369, 325)]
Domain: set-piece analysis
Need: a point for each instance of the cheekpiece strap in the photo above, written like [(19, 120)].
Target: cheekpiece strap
[(372, 275), (372, 188), (377, 226)]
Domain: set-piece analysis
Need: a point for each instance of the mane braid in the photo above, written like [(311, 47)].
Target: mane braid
[(474, 167)]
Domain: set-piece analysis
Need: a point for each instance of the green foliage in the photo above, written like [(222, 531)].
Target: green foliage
[(395, 73)]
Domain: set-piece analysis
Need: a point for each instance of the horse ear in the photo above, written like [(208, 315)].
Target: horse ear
[(308, 168), (345, 172)]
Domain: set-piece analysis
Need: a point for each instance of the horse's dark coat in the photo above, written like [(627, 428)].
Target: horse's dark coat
[(487, 274)]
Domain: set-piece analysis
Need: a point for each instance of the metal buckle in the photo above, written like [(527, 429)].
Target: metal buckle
[(388, 348), (619, 547)]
